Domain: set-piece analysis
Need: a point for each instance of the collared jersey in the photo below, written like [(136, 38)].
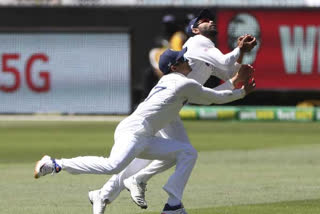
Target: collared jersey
[(206, 60), (165, 100)]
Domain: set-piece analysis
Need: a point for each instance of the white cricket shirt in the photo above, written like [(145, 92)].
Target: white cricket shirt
[(166, 99), (206, 60)]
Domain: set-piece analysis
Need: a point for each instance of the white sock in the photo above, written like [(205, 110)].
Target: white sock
[(173, 201)]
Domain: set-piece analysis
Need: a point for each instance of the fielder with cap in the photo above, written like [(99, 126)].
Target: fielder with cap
[(135, 136), (205, 60)]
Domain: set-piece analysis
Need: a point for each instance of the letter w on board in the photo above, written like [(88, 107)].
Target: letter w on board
[(298, 45)]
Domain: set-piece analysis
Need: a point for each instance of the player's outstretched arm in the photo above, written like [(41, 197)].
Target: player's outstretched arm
[(227, 61), (197, 94), (221, 61), (240, 58), (245, 73), (224, 69)]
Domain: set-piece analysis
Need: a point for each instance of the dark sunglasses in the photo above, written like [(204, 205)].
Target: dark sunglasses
[(203, 21), (181, 60)]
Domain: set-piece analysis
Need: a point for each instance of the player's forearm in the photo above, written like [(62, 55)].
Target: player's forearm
[(219, 60), (228, 59), (227, 85), (209, 96), (227, 74), (225, 96), (240, 58)]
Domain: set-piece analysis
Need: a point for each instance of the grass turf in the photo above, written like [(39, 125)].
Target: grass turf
[(243, 168)]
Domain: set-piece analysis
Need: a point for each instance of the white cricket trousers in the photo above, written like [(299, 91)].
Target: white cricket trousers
[(132, 141), (144, 169)]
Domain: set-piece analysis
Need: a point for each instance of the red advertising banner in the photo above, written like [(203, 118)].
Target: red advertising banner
[(288, 52)]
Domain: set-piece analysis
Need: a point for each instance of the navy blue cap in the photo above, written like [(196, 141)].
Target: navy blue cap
[(170, 57), (190, 26), (205, 13)]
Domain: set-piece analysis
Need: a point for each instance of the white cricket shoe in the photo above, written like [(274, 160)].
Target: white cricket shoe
[(174, 210), (137, 191), (98, 204), (46, 166)]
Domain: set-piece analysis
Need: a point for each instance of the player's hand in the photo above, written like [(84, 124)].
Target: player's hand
[(244, 74), (249, 86), (247, 42), (240, 38)]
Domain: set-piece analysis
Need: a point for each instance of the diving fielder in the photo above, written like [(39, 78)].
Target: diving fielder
[(205, 60), (135, 136)]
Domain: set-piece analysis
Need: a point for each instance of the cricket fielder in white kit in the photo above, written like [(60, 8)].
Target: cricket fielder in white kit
[(205, 60), (135, 136)]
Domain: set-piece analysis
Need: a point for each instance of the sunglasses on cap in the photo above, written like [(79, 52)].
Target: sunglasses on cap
[(181, 60), (203, 20)]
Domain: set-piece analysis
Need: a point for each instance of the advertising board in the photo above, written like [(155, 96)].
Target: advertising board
[(287, 56), (65, 72)]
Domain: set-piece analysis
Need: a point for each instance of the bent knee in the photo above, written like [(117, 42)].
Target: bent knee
[(115, 168), (115, 171), (191, 152), (194, 153)]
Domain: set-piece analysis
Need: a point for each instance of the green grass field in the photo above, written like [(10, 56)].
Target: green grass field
[(243, 168)]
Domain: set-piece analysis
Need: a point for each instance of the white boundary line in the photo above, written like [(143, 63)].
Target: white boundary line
[(75, 118)]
